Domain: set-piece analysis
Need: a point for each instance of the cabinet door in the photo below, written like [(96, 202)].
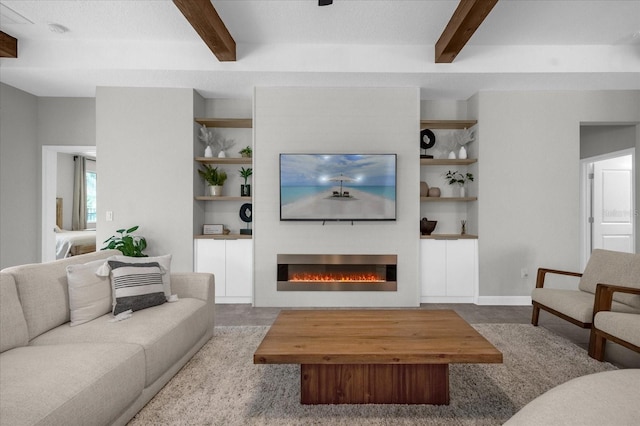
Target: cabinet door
[(433, 271), (461, 268), (239, 268), (210, 257)]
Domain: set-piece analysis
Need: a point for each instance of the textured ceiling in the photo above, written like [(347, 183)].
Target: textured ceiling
[(522, 45)]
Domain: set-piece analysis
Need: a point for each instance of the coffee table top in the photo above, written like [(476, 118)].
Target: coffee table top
[(366, 336)]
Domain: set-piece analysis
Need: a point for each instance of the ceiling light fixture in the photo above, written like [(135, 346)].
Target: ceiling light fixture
[(57, 28), (325, 2)]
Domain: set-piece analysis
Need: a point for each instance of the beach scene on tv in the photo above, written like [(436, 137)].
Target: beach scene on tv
[(337, 187)]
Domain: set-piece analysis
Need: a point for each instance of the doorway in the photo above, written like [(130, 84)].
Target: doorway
[(609, 202)]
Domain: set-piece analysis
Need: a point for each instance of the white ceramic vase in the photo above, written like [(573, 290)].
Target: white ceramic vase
[(208, 152), (452, 155), (463, 192), (222, 154), (463, 153)]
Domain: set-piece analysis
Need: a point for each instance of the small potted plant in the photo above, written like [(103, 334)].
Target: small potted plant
[(456, 177), (246, 152), (129, 244), (214, 178), (245, 190)]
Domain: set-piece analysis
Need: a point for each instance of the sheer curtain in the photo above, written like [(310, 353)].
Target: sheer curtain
[(79, 216)]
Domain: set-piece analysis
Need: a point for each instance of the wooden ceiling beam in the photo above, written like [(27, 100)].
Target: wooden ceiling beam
[(205, 20), (8, 46), (465, 21)]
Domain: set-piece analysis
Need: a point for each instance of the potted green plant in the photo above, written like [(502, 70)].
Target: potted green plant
[(246, 152), (129, 244), (214, 178), (456, 177), (245, 190)]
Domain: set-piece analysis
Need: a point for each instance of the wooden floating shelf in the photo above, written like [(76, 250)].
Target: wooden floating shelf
[(221, 198), (238, 123), (447, 124), (441, 199), (446, 162), (223, 237), (226, 160), (449, 237)]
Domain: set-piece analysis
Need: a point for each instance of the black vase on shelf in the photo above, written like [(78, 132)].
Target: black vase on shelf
[(245, 190), (427, 226)]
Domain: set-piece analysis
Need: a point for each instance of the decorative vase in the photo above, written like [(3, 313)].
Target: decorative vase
[(427, 226), (245, 190), (222, 154), (208, 152), (462, 154), (215, 190), (452, 155), (424, 189), (463, 192), (434, 191), (463, 227)]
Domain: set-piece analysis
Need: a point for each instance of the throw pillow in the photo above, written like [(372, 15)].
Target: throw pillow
[(165, 264), (136, 286), (89, 294)]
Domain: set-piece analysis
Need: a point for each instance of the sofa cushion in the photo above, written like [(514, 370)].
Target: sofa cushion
[(13, 327), (76, 384), (166, 332), (164, 261), (607, 398), (136, 286), (613, 267), (44, 293), (89, 293), (621, 325)]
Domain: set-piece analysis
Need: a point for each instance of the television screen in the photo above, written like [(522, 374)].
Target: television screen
[(338, 187)]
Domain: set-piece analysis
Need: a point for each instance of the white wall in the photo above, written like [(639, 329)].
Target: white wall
[(338, 120), (529, 155), (19, 178), (601, 139), (145, 143)]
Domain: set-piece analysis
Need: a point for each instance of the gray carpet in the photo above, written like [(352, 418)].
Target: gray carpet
[(222, 386)]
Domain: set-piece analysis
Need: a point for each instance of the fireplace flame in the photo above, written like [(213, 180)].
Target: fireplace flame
[(337, 277)]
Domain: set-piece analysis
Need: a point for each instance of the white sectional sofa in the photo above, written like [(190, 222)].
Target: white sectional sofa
[(99, 372)]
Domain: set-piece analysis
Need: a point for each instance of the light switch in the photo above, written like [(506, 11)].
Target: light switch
[(109, 216)]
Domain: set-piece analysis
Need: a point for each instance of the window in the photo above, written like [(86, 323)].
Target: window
[(90, 179)]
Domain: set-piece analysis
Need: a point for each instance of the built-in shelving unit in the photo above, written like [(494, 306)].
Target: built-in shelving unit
[(449, 237), (221, 198), (447, 124), (229, 123), (446, 162), (223, 237), (222, 161)]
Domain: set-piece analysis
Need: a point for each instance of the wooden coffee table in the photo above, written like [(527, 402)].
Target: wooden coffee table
[(374, 356)]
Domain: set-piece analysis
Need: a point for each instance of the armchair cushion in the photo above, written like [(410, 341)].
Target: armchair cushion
[(621, 325), (576, 304), (612, 267)]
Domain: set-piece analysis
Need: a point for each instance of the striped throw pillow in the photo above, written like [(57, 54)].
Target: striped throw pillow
[(136, 286)]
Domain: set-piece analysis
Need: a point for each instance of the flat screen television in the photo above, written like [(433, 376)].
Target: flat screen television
[(345, 187)]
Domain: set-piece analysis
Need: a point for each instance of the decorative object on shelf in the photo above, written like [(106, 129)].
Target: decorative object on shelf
[(427, 226), (456, 177), (464, 136), (434, 192), (245, 190), (424, 189), (213, 229), (225, 145), (246, 152), (214, 178), (128, 244), (427, 140), (226, 231), (452, 155), (207, 137), (462, 154), (246, 217), (463, 227)]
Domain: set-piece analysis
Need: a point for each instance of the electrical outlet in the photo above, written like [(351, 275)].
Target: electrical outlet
[(109, 217), (524, 273)]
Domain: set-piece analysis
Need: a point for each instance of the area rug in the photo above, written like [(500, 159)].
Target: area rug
[(222, 386)]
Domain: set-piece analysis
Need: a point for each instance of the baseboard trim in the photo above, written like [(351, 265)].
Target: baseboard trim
[(447, 299), (505, 300)]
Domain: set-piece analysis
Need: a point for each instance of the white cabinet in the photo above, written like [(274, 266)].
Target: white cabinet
[(449, 271), (231, 261)]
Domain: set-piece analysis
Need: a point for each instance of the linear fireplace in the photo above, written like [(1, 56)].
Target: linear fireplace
[(343, 272)]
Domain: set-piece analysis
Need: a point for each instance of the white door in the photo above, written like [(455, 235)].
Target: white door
[(613, 204)]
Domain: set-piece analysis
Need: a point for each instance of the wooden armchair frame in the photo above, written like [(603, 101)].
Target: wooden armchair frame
[(542, 273), (603, 301)]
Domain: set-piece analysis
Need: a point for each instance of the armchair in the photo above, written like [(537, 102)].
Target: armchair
[(618, 327), (577, 306)]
